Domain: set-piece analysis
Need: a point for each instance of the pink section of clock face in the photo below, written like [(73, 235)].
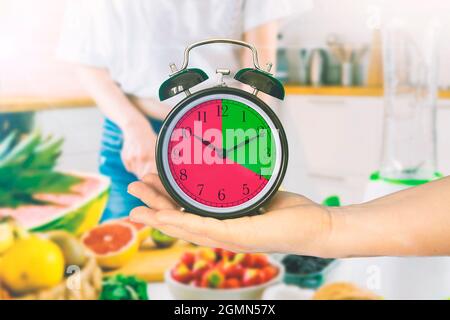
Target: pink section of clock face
[(220, 182)]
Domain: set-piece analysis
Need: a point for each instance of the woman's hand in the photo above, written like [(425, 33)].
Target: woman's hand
[(292, 223), (138, 152)]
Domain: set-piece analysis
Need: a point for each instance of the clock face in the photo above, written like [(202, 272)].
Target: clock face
[(221, 153)]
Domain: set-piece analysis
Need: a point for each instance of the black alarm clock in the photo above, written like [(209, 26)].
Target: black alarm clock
[(221, 152)]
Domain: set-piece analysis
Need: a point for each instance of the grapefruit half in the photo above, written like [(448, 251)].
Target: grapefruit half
[(143, 230), (114, 243)]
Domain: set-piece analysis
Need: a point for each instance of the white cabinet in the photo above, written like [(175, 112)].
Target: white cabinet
[(341, 138), (81, 130)]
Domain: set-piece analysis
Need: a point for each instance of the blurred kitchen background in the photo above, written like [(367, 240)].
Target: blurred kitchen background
[(330, 58), (333, 119)]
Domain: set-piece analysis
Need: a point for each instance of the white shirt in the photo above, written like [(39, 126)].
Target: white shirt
[(136, 40)]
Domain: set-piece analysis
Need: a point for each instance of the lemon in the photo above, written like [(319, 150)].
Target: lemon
[(32, 264)]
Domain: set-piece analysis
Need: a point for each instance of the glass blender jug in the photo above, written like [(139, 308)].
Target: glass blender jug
[(410, 88)]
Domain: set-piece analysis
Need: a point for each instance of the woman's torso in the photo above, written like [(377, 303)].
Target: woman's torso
[(144, 37)]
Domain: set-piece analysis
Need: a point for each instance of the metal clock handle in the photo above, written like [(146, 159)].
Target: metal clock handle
[(212, 41)]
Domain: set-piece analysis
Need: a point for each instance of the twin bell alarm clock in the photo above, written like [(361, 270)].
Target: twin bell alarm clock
[(221, 152)]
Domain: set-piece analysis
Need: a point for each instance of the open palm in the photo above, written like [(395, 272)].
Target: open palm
[(291, 223)]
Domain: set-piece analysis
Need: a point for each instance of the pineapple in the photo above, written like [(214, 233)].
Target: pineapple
[(26, 169)]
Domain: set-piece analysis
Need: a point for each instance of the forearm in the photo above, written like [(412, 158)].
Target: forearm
[(109, 97), (265, 40), (413, 222)]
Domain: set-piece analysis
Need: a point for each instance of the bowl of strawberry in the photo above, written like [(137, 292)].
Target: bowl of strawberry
[(218, 274)]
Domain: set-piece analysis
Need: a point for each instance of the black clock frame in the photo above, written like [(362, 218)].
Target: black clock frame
[(254, 208)]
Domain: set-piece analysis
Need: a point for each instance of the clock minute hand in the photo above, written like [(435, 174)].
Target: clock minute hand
[(243, 143)]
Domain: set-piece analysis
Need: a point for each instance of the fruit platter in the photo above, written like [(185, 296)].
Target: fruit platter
[(221, 274)]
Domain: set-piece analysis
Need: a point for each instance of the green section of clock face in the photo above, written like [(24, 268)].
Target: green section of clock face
[(247, 138)]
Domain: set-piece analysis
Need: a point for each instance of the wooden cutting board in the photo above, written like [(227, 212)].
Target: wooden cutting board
[(151, 263)]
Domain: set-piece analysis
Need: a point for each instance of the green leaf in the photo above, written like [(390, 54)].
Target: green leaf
[(26, 169), (6, 144), (13, 200), (120, 287), (46, 182), (22, 191), (46, 155), (22, 150), (7, 176)]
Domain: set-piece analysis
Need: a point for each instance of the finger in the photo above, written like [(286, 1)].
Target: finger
[(242, 234), (150, 196), (186, 236), (154, 181), (190, 222), (246, 234), (206, 237), (146, 216), (227, 232)]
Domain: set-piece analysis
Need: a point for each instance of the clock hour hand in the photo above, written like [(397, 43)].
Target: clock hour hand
[(205, 142), (209, 144)]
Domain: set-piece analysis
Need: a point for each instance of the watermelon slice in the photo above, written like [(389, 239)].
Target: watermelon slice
[(75, 212)]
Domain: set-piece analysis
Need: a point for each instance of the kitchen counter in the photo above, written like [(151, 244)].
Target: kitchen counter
[(345, 91), (21, 104), (334, 91)]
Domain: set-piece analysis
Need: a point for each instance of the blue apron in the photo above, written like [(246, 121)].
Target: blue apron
[(120, 202)]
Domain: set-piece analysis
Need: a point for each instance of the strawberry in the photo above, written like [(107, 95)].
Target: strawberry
[(213, 279), (188, 258), (181, 273), (231, 269), (245, 259), (259, 261), (269, 272), (228, 255), (207, 254), (218, 252), (199, 268), (252, 277), (232, 283)]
